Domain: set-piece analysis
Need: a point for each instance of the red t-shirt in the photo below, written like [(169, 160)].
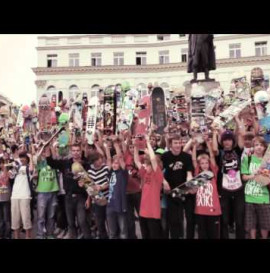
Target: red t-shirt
[(207, 200), (150, 200), (134, 181)]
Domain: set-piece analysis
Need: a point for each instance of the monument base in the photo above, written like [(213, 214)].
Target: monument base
[(208, 85)]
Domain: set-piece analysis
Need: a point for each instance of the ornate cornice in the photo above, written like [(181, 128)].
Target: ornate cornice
[(181, 41), (144, 68)]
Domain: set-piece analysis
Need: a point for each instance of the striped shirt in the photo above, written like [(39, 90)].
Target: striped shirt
[(100, 177)]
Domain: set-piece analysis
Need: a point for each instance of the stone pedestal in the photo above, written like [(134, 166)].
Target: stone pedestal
[(208, 85)]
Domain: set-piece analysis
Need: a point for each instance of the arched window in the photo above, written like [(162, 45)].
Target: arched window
[(165, 86), (143, 90), (73, 91), (51, 91), (95, 90)]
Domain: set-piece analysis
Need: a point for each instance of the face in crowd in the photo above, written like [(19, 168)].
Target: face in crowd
[(259, 148), (76, 152), (176, 146), (227, 144)]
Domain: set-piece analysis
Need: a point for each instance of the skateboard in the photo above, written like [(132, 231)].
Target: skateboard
[(109, 113), (82, 176), (63, 139), (142, 121), (196, 182), (158, 110), (91, 120), (228, 115), (126, 113), (198, 117), (45, 144), (262, 105)]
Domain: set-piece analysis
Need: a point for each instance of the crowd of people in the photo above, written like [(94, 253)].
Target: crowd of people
[(136, 187)]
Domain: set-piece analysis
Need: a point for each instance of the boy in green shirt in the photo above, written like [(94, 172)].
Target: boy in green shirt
[(47, 189), (256, 196)]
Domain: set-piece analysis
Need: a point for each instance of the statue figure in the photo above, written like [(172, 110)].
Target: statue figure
[(201, 55)]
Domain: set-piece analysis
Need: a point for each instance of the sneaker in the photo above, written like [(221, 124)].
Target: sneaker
[(61, 234), (57, 231), (68, 236)]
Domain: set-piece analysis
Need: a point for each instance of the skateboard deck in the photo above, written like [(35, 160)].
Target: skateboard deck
[(109, 114), (91, 120), (198, 181), (158, 110)]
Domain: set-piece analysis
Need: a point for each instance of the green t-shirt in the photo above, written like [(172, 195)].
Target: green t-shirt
[(47, 181), (254, 192)]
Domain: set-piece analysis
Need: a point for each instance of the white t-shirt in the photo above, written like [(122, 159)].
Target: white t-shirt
[(21, 188)]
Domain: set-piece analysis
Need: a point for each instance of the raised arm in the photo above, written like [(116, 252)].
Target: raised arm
[(210, 149), (215, 142), (151, 154), (108, 155), (187, 147), (137, 158), (194, 153), (240, 132), (119, 155)]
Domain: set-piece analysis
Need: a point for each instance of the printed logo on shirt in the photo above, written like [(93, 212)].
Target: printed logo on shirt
[(112, 184), (178, 165), (204, 197)]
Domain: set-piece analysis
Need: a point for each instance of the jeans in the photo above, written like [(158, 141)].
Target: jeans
[(133, 203), (164, 223), (238, 202), (5, 221), (208, 227), (75, 208), (100, 217), (46, 208), (117, 224), (151, 228), (175, 210), (61, 218)]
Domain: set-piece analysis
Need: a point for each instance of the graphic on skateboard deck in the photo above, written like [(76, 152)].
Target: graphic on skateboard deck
[(91, 120), (262, 105), (64, 136), (142, 121), (82, 177), (109, 114), (196, 182), (158, 110)]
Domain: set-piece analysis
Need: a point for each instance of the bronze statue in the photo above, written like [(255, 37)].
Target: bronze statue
[(201, 55)]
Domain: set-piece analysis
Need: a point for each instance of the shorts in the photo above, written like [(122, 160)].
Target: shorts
[(257, 213), (20, 210)]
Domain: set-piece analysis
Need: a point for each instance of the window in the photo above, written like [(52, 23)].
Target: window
[(118, 58), (140, 58), (235, 50), (163, 37), (261, 48), (164, 57), (74, 59), (52, 60), (96, 59), (182, 35), (73, 91), (184, 53), (95, 90), (51, 91)]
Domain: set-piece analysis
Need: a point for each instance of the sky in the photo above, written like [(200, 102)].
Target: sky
[(17, 56)]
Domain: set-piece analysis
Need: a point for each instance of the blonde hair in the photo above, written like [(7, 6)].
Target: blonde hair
[(203, 156)]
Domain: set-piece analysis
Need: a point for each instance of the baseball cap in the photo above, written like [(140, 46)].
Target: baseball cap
[(160, 151), (227, 135)]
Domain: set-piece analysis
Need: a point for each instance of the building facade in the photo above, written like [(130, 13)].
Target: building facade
[(81, 63)]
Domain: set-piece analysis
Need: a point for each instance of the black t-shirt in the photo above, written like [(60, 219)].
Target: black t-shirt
[(228, 161), (176, 168)]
